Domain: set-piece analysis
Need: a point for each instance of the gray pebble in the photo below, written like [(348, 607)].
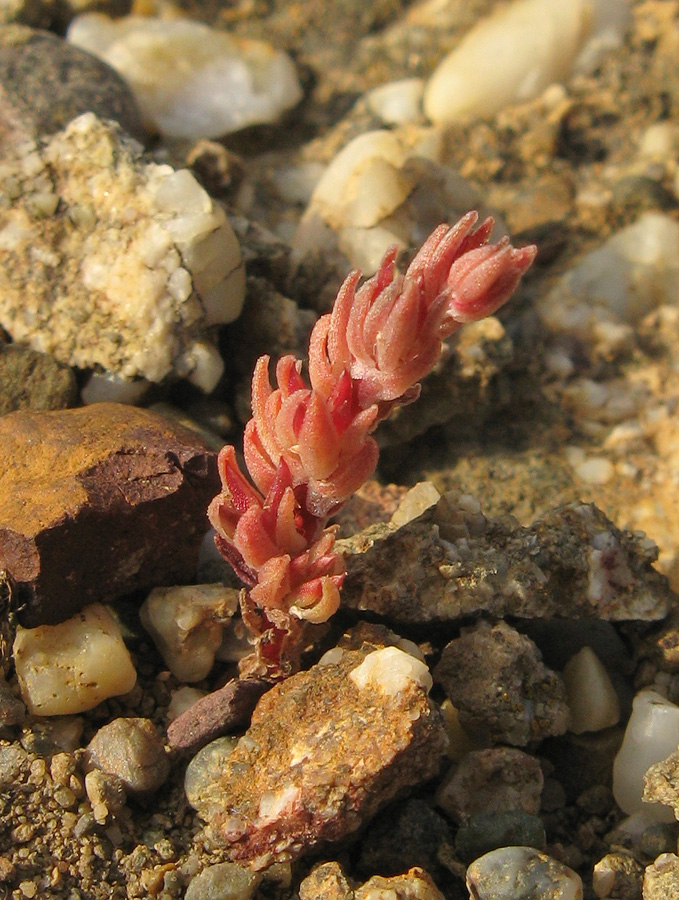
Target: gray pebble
[(133, 750), (225, 881), (521, 873), (78, 83)]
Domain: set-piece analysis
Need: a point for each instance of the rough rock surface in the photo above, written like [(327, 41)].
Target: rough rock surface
[(328, 881), (79, 82), (454, 561), (661, 783), (489, 781), (132, 750), (97, 502), (503, 692), (320, 757), (661, 878), (30, 380), (519, 873), (110, 261)]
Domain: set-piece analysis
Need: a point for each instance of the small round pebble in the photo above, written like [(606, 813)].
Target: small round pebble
[(133, 750), (225, 881), (521, 873)]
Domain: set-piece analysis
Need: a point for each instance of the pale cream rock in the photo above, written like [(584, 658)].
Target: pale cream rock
[(592, 699), (632, 273), (516, 873), (71, 667), (186, 624), (397, 102), (390, 670), (132, 271), (381, 189), (190, 80), (652, 734), (419, 498), (516, 53)]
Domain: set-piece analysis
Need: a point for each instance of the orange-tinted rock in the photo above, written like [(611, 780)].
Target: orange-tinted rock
[(96, 503)]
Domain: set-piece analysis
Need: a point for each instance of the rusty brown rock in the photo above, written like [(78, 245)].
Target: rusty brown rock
[(98, 502), (322, 755), (220, 712)]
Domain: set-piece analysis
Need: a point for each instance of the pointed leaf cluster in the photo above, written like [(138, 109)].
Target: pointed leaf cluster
[(308, 447)]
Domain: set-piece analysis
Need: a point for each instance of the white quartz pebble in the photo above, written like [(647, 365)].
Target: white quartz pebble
[(71, 667), (192, 81), (514, 54), (186, 625), (592, 699), (652, 734), (390, 670)]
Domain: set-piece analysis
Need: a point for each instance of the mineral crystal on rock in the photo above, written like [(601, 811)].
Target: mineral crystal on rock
[(321, 756), (109, 261)]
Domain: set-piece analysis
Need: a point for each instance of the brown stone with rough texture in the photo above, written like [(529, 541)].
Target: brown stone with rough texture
[(96, 503), (326, 749)]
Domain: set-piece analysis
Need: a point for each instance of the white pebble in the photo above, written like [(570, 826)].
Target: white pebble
[(652, 734), (516, 53), (106, 387), (631, 274), (192, 81), (391, 671), (592, 699), (595, 470), (397, 102), (186, 625), (71, 667)]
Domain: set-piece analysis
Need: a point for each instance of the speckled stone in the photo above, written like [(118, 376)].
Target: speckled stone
[(78, 82), (97, 502), (521, 873), (320, 758), (661, 878), (498, 779), (31, 380), (454, 561), (494, 676), (132, 750)]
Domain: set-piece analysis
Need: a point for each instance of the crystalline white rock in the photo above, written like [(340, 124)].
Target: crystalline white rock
[(652, 734), (153, 263), (71, 667), (532, 44), (397, 102), (192, 81), (592, 699), (391, 671)]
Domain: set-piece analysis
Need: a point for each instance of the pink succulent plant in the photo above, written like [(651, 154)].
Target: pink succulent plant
[(308, 448)]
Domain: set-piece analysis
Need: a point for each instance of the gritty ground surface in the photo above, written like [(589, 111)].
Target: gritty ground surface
[(566, 184)]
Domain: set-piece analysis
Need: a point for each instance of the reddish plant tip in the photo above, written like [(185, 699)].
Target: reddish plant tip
[(308, 448)]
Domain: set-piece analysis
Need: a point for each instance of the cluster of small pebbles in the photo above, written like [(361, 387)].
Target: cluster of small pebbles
[(494, 712)]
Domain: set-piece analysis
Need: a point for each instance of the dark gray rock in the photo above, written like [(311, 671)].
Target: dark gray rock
[(30, 60)]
